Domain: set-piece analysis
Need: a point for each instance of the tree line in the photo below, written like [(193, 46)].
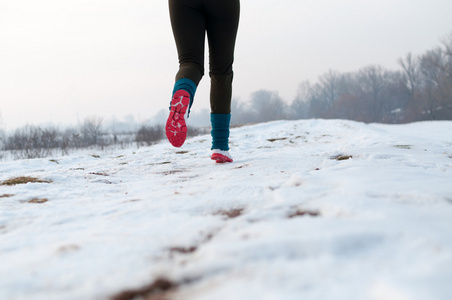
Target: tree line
[(420, 90), (35, 141)]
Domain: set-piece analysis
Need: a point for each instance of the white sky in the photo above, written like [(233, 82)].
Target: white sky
[(61, 61)]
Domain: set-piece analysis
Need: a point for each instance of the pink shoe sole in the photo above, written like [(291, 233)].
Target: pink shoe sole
[(176, 129)]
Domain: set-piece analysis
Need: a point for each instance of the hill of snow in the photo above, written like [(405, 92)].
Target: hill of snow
[(312, 209)]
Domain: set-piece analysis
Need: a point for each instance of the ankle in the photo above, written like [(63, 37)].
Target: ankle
[(220, 131)]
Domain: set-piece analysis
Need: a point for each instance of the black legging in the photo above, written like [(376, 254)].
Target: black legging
[(190, 20)]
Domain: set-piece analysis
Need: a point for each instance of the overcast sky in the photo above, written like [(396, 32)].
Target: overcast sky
[(61, 61)]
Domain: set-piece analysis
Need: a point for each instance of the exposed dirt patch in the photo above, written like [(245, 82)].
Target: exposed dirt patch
[(403, 146), (38, 200), (171, 172), (181, 152), (303, 212), (6, 195), (157, 290), (231, 213), (160, 163), (208, 237), (277, 139), (183, 250), (133, 200), (99, 173), (23, 180), (341, 157), (68, 248), (188, 250), (241, 166)]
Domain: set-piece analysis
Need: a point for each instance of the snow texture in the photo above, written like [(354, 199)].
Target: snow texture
[(312, 209)]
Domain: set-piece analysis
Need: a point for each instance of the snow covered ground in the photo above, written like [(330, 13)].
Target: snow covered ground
[(312, 209)]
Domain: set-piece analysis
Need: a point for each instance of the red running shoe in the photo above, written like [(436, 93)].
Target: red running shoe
[(220, 156), (176, 129)]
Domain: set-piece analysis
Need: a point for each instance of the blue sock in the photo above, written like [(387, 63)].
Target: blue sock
[(220, 131), (187, 85)]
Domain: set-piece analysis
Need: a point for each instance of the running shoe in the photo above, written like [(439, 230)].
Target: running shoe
[(220, 156)]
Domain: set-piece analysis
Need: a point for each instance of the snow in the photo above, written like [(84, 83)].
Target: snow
[(310, 225)]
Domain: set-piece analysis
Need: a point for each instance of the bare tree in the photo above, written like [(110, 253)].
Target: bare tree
[(240, 113), (92, 130), (323, 94), (300, 105), (371, 82), (267, 106), (148, 135), (437, 87), (33, 142), (329, 84), (410, 67)]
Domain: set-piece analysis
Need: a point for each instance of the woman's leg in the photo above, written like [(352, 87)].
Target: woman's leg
[(222, 25), (188, 23)]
